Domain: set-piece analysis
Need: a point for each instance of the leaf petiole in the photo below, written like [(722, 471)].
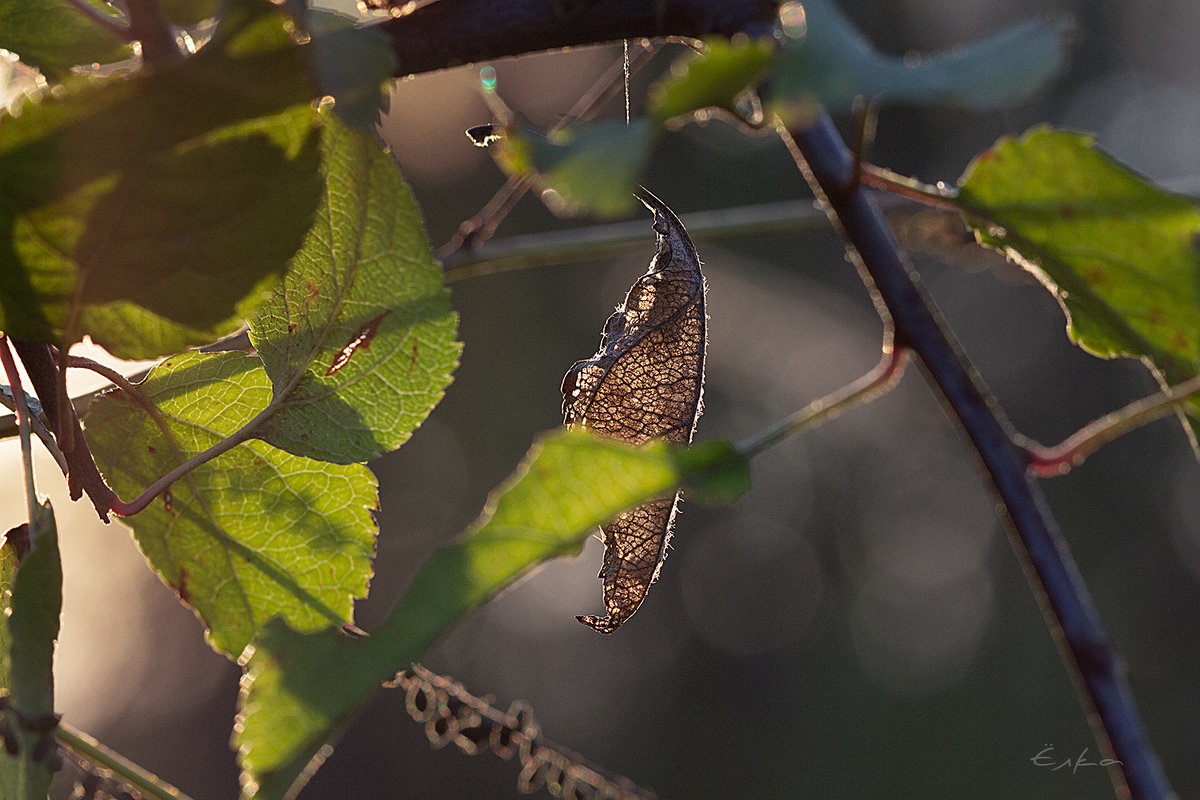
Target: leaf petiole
[(1049, 462), (933, 195)]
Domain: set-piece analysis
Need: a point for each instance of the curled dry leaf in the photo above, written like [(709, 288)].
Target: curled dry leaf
[(644, 383)]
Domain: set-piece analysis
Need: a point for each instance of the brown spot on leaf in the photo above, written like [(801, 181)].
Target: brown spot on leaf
[(151, 448), (1095, 275), (644, 383), (182, 586), (304, 437), (361, 341)]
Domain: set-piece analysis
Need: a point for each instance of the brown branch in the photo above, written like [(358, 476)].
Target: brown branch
[(443, 35)]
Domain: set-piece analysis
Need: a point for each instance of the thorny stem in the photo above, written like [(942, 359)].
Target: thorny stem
[(880, 379), (14, 381), (1048, 462), (1071, 615), (127, 772)]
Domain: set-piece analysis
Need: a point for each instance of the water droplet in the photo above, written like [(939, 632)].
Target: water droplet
[(487, 78)]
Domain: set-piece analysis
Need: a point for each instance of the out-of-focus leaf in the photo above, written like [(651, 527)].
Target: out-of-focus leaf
[(721, 475), (586, 168), (300, 691), (359, 340), (644, 383), (253, 534), (54, 35), (155, 212), (351, 64), (188, 12), (31, 588), (1119, 253), (827, 60), (719, 77)]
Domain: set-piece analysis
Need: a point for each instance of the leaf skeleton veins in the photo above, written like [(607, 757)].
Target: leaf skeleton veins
[(644, 383)]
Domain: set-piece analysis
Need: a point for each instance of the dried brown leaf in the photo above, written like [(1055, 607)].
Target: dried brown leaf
[(645, 382)]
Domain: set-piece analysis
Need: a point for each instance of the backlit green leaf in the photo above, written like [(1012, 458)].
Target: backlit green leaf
[(1119, 253), (156, 211), (359, 341), (253, 534), (300, 690), (717, 77), (825, 59), (586, 168), (54, 35)]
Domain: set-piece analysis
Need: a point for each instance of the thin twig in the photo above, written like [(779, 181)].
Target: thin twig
[(1047, 462), (879, 380), (787, 217), (14, 381), (9, 426), (885, 180), (142, 501), (126, 771), (478, 229), (1071, 615)]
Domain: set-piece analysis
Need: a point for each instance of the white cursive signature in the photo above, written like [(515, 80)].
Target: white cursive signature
[(1045, 758)]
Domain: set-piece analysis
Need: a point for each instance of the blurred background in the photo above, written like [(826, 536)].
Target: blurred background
[(855, 626)]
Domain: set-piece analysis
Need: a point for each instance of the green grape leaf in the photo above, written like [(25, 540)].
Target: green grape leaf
[(826, 60), (359, 340), (252, 534), (54, 35), (300, 691), (31, 592), (157, 211), (1119, 253), (720, 76), (585, 168)]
